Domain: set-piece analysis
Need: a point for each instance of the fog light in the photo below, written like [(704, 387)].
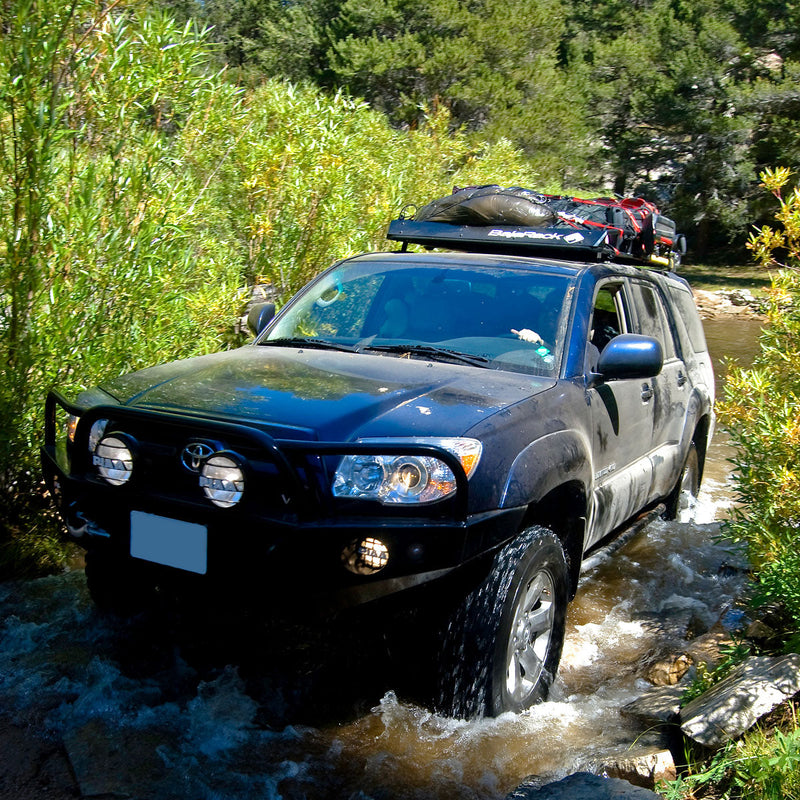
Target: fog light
[(365, 556), (113, 460), (222, 480)]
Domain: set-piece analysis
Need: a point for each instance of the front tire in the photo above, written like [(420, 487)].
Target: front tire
[(503, 643)]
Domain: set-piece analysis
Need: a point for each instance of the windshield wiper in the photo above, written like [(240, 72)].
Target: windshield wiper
[(430, 351), (301, 341)]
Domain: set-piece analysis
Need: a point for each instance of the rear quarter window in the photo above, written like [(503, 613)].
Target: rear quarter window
[(652, 317)]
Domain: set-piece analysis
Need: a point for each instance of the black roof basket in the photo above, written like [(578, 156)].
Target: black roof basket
[(560, 242)]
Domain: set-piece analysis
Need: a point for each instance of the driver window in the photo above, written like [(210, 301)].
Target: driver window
[(339, 310), (608, 321), (607, 317)]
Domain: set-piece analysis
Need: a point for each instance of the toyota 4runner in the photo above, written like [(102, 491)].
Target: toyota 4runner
[(473, 421)]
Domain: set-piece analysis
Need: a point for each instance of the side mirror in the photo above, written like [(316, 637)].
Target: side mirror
[(630, 355), (259, 316)]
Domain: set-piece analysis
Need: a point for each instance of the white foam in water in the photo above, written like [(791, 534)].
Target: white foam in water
[(221, 715), (58, 655), (711, 502)]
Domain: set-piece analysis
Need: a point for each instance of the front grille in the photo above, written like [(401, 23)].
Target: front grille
[(286, 481)]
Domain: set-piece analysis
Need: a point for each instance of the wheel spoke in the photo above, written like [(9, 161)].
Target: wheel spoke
[(540, 620), (531, 664), (514, 682), (535, 589)]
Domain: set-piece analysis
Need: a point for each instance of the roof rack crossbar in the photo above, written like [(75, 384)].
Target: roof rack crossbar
[(561, 241)]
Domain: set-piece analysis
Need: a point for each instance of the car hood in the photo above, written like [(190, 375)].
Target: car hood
[(327, 395)]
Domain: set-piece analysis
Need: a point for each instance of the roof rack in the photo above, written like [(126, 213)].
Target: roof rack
[(563, 242)]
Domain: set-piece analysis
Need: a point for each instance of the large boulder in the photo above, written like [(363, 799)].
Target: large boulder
[(582, 786), (735, 704)]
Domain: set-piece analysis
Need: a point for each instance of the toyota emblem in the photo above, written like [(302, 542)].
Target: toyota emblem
[(194, 454)]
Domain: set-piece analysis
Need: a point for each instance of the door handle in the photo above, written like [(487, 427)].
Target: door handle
[(647, 392)]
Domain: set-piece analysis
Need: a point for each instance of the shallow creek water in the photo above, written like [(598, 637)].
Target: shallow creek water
[(143, 716)]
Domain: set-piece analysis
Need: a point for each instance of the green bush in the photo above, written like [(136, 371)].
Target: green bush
[(314, 178), (764, 765), (140, 193), (99, 269), (762, 413)]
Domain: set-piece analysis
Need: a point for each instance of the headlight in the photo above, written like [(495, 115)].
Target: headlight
[(222, 480), (404, 479), (114, 460)]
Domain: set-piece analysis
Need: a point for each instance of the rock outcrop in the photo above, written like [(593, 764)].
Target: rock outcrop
[(734, 705)]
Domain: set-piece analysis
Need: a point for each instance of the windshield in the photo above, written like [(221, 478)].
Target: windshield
[(493, 317)]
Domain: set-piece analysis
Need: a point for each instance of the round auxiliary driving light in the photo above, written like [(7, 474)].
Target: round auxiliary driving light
[(113, 460), (365, 556), (96, 433), (222, 480)]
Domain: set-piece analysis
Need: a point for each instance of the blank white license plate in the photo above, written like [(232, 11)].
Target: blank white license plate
[(171, 542)]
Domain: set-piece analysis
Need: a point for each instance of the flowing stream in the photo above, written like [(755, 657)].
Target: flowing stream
[(144, 716)]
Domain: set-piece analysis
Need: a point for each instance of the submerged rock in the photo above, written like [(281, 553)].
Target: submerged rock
[(109, 762), (582, 786)]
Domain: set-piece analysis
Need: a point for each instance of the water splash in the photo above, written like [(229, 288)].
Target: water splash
[(114, 690)]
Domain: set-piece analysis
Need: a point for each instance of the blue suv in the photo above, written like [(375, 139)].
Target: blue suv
[(464, 425)]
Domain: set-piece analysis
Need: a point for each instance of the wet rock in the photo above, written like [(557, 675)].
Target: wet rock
[(674, 624), (732, 706), (759, 631), (641, 765), (32, 766), (115, 763), (669, 671), (658, 705), (707, 649), (582, 786)]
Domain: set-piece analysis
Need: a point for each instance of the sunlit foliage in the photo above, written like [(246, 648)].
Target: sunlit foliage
[(141, 194), (762, 412)]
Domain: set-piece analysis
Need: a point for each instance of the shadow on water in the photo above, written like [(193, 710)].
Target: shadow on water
[(299, 672)]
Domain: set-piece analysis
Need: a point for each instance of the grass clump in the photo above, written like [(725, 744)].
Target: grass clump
[(763, 765)]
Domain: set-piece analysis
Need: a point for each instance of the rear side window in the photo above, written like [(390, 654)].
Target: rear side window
[(652, 317), (688, 311)]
